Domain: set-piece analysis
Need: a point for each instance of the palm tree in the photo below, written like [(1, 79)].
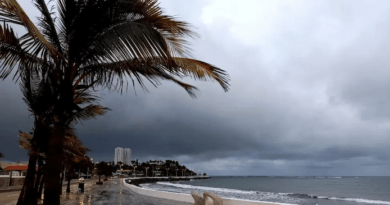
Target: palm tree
[(74, 152), (40, 98), (84, 44)]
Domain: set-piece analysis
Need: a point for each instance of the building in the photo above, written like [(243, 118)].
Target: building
[(122, 155), (17, 170)]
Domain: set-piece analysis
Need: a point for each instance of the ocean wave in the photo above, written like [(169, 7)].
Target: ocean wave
[(258, 195), (186, 186), (227, 193), (367, 201)]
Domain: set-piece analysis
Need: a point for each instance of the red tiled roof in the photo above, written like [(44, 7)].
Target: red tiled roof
[(16, 168)]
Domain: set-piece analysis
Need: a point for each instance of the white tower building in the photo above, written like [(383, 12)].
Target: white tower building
[(127, 156), (118, 155), (122, 155)]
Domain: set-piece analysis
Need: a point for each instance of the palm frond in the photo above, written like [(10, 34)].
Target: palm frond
[(154, 69), (73, 149), (47, 25), (202, 71), (12, 7), (172, 30), (88, 112), (25, 140), (12, 54)]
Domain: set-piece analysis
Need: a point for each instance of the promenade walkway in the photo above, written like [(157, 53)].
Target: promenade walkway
[(111, 192)]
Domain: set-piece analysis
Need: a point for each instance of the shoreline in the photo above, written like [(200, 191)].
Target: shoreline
[(187, 197)]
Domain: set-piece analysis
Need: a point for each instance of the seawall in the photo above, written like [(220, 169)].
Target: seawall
[(16, 181)]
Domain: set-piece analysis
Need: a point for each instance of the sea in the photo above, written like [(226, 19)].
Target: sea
[(303, 190)]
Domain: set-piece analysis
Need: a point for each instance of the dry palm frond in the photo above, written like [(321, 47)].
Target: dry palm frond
[(73, 149), (25, 140)]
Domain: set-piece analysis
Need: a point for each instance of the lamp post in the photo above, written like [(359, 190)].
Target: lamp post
[(134, 170), (184, 172), (176, 172), (167, 171), (147, 171)]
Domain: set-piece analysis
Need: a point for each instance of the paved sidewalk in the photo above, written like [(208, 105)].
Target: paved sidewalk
[(10, 197), (112, 192)]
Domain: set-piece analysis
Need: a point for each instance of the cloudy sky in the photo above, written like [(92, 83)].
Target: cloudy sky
[(310, 94)]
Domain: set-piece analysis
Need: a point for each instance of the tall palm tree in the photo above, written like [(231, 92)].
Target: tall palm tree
[(84, 44), (40, 98)]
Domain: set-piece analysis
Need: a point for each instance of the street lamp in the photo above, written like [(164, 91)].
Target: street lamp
[(184, 172), (134, 170), (147, 171), (167, 171)]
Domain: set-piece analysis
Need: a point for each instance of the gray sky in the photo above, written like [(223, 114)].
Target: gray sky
[(309, 94)]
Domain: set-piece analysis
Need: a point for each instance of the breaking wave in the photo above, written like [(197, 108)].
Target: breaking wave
[(294, 198)]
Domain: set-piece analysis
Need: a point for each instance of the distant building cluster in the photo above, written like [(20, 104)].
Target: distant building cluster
[(122, 155)]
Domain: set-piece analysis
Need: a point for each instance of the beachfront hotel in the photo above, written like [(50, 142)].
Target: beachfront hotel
[(122, 155)]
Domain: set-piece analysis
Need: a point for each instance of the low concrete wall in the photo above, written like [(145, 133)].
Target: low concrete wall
[(188, 197), (16, 181)]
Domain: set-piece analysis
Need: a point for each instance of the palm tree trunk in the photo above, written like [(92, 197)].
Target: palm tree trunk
[(39, 179), (53, 169), (68, 186), (27, 195), (39, 196), (53, 180), (62, 178)]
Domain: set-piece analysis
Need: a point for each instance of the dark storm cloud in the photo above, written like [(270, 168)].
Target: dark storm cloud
[(309, 94)]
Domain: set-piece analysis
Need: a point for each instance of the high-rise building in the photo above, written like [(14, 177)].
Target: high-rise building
[(122, 155)]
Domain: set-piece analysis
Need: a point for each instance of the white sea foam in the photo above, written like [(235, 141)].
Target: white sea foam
[(228, 193), (367, 201), (186, 186), (256, 195)]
